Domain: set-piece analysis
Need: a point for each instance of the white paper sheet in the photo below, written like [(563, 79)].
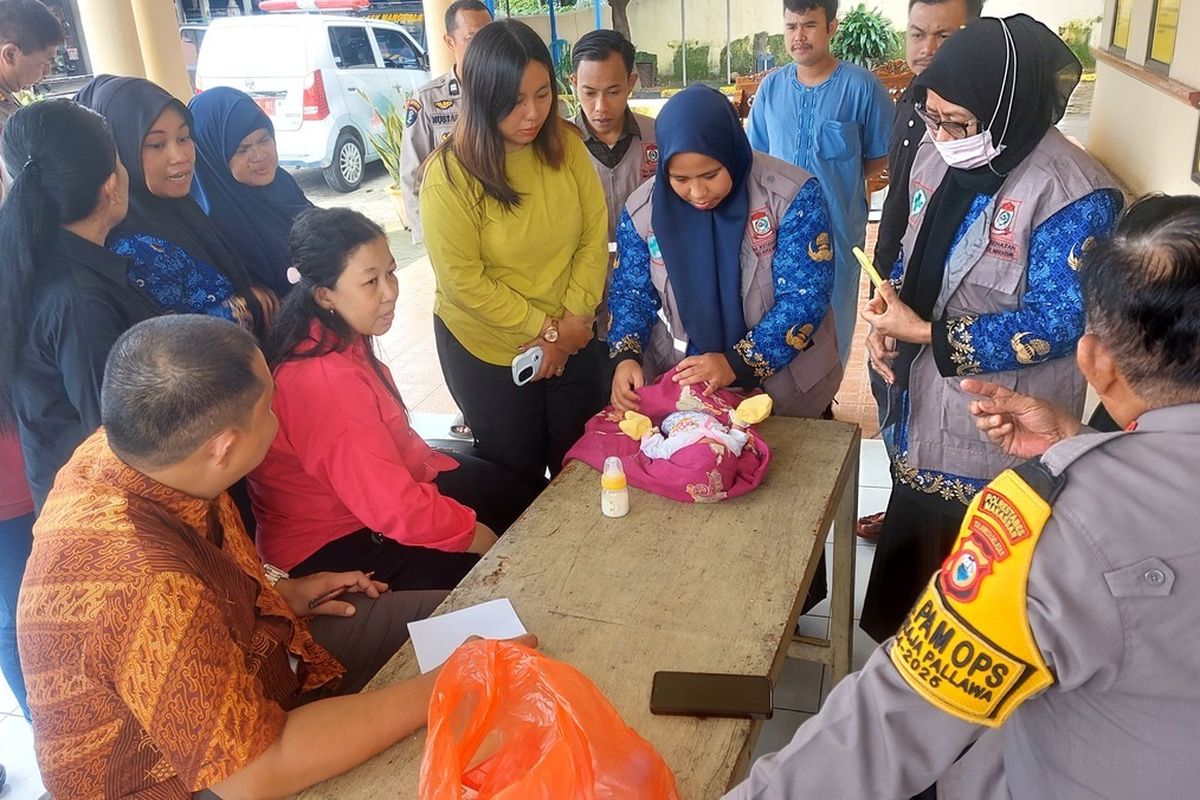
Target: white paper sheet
[(434, 639)]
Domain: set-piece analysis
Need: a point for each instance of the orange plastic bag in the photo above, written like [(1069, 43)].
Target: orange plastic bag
[(508, 723)]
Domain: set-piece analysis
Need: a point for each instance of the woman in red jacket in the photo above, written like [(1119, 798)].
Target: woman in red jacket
[(347, 483)]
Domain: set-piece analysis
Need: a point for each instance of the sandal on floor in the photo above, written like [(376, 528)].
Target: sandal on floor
[(870, 527), (459, 429)]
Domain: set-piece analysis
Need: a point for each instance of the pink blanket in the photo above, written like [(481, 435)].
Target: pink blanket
[(706, 472)]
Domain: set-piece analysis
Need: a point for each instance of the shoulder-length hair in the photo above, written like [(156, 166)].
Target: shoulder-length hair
[(491, 78)]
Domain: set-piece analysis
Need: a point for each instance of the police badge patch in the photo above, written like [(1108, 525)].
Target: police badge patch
[(413, 108)]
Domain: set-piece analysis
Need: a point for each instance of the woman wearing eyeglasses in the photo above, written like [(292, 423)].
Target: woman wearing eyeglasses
[(1001, 209)]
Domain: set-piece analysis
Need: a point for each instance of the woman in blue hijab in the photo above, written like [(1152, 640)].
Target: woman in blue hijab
[(724, 268), (249, 199)]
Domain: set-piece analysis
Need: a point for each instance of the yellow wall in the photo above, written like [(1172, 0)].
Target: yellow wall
[(1146, 137)]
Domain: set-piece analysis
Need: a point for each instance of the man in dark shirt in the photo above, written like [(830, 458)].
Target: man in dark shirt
[(930, 24)]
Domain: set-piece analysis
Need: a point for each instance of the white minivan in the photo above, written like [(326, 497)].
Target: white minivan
[(320, 80)]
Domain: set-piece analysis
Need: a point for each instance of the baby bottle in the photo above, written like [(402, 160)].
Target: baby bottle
[(614, 491)]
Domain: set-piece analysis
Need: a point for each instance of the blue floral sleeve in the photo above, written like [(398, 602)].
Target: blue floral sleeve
[(632, 299), (1050, 320), (180, 283), (802, 269)]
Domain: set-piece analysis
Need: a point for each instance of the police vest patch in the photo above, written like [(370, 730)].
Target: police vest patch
[(966, 646)]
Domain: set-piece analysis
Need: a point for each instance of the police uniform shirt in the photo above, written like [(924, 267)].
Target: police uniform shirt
[(429, 117), (1064, 621)]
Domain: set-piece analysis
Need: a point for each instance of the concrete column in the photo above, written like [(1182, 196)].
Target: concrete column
[(162, 53), (112, 38), (441, 60)]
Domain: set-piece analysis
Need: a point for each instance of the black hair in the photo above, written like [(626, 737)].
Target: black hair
[(462, 5), (801, 6), (1141, 290), (29, 25), (974, 7), (491, 77), (165, 394), (321, 243), (60, 154), (598, 45)]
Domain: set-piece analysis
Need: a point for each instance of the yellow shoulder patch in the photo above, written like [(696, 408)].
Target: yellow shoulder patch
[(967, 646)]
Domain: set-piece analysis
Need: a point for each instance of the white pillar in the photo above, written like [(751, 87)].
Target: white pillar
[(112, 38), (162, 52), (441, 60)]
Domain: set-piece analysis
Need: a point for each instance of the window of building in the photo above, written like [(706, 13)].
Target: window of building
[(1163, 32), (1122, 24)]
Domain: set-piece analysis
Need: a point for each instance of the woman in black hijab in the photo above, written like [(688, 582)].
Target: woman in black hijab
[(178, 256), (1000, 207)]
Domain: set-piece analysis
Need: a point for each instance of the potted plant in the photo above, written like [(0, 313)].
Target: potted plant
[(387, 135), (865, 37)]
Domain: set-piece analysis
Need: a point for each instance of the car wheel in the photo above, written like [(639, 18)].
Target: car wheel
[(345, 174)]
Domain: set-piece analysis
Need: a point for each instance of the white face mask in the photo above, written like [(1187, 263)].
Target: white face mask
[(970, 152)]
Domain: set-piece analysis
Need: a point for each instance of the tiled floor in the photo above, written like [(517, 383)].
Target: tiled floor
[(803, 687), (16, 751)]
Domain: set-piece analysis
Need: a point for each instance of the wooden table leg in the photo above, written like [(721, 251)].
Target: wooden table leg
[(841, 616)]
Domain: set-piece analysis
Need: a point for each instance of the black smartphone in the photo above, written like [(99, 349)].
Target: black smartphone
[(699, 694)]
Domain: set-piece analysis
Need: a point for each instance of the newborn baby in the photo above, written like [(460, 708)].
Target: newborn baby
[(697, 424)]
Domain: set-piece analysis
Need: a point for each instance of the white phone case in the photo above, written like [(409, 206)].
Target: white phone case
[(526, 365)]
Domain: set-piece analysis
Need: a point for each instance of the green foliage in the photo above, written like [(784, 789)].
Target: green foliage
[(528, 7), (568, 103), (864, 37), (564, 64), (1077, 33), (743, 56), (777, 47), (642, 56), (697, 62), (389, 141)]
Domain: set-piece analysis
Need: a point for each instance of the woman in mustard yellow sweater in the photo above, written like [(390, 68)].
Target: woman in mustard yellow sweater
[(516, 227)]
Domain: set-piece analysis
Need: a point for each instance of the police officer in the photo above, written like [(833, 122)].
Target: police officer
[(1065, 617), (431, 114)]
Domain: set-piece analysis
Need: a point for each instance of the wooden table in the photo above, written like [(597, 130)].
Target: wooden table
[(705, 588)]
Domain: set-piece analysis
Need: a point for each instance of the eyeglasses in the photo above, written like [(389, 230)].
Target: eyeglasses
[(956, 130)]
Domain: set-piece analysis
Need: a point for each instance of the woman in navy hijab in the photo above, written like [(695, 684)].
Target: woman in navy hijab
[(725, 268), (249, 199)]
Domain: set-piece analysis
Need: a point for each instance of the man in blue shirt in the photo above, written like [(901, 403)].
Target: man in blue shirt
[(833, 119)]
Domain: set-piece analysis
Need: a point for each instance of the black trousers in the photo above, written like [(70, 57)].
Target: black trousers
[(525, 429), (497, 497), (919, 531)]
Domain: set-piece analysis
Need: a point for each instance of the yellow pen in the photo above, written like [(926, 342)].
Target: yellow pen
[(868, 267)]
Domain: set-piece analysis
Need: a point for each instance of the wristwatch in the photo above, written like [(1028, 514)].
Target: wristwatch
[(274, 574), (551, 333)]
